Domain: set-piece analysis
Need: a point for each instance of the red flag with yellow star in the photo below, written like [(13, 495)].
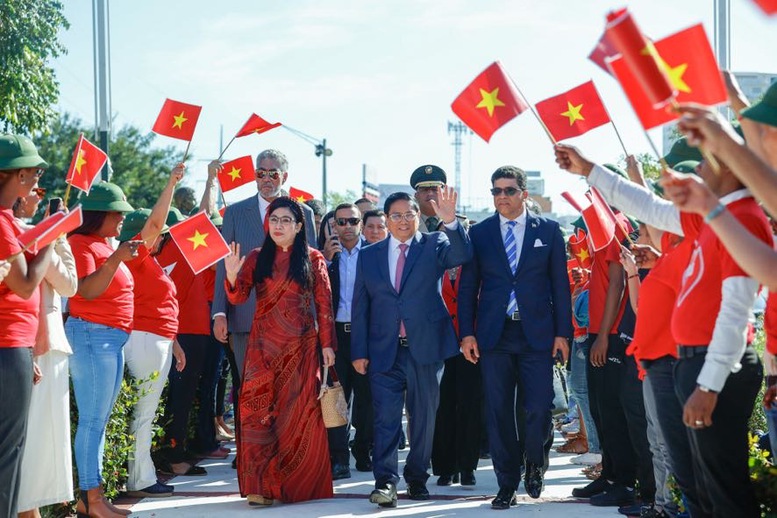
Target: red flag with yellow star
[(237, 172), (177, 120), (299, 195), (88, 160), (578, 245), (255, 125), (604, 49), (691, 66), (489, 102), (50, 229), (574, 112), (200, 242)]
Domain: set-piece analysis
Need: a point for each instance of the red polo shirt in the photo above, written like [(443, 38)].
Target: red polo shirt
[(18, 317)]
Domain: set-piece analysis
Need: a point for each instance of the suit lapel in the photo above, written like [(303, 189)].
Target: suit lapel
[(383, 264), (254, 219), (412, 256), (529, 236)]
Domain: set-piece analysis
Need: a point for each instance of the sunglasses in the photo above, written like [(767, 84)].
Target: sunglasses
[(508, 191), (341, 222), (273, 174), (40, 191)]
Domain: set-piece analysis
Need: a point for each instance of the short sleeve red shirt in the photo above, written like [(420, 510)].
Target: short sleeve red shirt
[(193, 309), (698, 301), (770, 323), (209, 280), (156, 308), (598, 285), (18, 317), (115, 306)]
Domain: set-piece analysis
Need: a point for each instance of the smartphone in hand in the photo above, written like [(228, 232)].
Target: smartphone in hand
[(54, 205)]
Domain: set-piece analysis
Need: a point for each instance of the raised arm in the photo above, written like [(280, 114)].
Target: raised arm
[(156, 221)]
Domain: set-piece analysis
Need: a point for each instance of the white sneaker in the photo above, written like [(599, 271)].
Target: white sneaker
[(571, 427), (587, 459)]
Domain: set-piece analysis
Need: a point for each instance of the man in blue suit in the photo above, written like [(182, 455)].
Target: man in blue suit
[(514, 318), (401, 333)]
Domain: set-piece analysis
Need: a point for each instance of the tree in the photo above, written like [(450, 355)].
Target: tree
[(29, 32), (651, 168), (139, 169), (336, 198)]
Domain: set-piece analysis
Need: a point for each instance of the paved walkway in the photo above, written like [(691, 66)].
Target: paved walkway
[(217, 494)]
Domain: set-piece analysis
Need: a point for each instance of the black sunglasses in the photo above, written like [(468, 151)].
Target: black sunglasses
[(509, 191), (341, 222)]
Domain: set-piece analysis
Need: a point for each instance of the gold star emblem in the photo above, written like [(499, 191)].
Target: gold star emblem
[(179, 120), (198, 239), (573, 113), (675, 74), (583, 255), (489, 100), (80, 161), (301, 199), (234, 173)]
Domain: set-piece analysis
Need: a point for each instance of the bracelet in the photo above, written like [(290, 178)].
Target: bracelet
[(714, 213), (632, 276)]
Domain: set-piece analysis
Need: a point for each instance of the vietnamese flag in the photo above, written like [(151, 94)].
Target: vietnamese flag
[(690, 63), (598, 217), (88, 160), (237, 172), (299, 195), (603, 50), (574, 112), (200, 242), (256, 124), (50, 229), (578, 245), (177, 120), (768, 6), (640, 57), (489, 102)]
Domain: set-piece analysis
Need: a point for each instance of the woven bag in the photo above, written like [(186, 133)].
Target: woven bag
[(333, 405)]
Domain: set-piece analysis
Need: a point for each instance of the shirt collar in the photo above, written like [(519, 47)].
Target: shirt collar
[(735, 196), (263, 204), (520, 220), (394, 242), (356, 249)]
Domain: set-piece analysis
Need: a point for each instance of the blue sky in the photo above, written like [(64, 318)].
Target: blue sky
[(376, 79)]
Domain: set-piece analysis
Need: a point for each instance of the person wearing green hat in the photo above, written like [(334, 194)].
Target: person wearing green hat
[(20, 168), (152, 344)]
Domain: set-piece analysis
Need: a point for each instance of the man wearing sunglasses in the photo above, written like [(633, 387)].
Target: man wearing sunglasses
[(244, 224), (514, 317)]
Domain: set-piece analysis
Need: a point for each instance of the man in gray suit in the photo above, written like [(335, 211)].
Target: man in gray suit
[(244, 224)]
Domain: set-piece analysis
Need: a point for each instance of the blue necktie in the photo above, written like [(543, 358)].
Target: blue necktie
[(512, 257)]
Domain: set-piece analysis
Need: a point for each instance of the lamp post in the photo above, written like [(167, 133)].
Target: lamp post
[(321, 151)]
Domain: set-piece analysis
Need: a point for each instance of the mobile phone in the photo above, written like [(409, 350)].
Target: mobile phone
[(54, 205)]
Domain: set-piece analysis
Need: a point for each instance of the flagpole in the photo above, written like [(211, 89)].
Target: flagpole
[(225, 148), (658, 155), (531, 107)]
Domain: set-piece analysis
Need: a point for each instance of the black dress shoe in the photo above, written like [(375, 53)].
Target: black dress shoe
[(504, 499), (363, 464), (467, 478), (600, 485), (340, 471), (533, 480), (417, 491), (445, 480), (385, 496)]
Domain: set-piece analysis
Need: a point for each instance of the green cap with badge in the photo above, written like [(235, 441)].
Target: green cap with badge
[(18, 152), (681, 152), (428, 176), (106, 197), (134, 223), (765, 110)]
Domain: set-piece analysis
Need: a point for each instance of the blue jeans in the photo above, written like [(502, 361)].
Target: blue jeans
[(578, 385), (96, 368)]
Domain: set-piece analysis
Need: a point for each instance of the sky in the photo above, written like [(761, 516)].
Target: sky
[(374, 78)]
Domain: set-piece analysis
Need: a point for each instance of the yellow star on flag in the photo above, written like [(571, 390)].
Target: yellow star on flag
[(179, 120), (489, 100), (675, 74), (80, 161), (198, 239), (235, 173), (573, 112), (583, 255), (301, 199)]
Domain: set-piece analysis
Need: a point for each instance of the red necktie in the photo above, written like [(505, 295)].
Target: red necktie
[(267, 223), (398, 280)]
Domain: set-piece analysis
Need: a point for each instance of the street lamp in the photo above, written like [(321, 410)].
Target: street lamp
[(321, 151)]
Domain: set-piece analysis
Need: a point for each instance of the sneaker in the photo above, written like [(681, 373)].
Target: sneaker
[(158, 490), (571, 427), (633, 510), (616, 496), (587, 459)]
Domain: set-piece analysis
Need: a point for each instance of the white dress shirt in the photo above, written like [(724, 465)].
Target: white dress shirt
[(263, 204), (519, 230), (394, 252)]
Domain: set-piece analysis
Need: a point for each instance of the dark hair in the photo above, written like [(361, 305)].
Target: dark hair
[(399, 196), (320, 238), (319, 209), (348, 206), (510, 172), (375, 213), (364, 200), (93, 220), (300, 268)]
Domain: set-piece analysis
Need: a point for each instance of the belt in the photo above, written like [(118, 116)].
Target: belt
[(403, 341), (515, 316), (689, 351), (345, 325)]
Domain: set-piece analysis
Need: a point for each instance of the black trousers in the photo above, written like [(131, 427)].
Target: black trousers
[(15, 394), (356, 388), (456, 445), (720, 452)]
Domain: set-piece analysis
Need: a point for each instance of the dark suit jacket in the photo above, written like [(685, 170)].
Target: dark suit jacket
[(378, 308), (540, 283), (242, 224), (334, 277)]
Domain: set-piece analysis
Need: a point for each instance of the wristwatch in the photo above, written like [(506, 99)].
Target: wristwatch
[(705, 388)]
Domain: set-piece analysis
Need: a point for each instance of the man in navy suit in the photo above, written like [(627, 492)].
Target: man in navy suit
[(401, 333), (514, 318)]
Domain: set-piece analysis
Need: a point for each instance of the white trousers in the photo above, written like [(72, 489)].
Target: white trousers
[(148, 357), (46, 472)]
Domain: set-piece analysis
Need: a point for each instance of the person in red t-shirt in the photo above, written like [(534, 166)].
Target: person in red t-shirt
[(100, 322), (151, 345), (20, 168)]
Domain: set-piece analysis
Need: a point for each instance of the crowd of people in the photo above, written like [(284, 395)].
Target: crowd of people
[(413, 309)]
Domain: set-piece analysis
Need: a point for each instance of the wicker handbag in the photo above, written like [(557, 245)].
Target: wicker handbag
[(333, 405)]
